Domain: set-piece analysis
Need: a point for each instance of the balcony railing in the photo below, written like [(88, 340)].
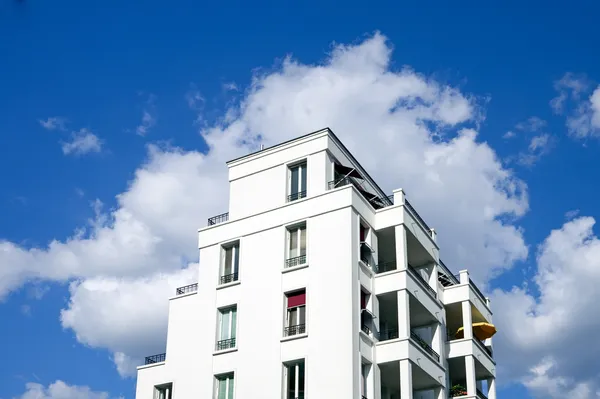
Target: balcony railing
[(296, 196), (366, 329), (295, 261), (424, 345), (218, 219), (483, 347), (294, 330), (376, 202), (445, 276), (186, 289), (418, 276), (155, 358), (478, 292), (417, 216), (390, 333), (383, 267), (225, 344), (229, 278)]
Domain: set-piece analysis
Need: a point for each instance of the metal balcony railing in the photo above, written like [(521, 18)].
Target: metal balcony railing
[(225, 344), (366, 329), (387, 334), (478, 292), (155, 358), (294, 330), (376, 202), (296, 196), (186, 289), (417, 216), (483, 347), (383, 267), (295, 261), (445, 276), (424, 345), (218, 219), (418, 276), (228, 278)]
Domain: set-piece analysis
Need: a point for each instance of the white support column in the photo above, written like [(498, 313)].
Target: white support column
[(437, 342), (470, 375), (376, 381), (401, 249), (467, 319), (438, 393), (406, 391), (488, 342), (491, 382), (433, 278), (403, 314)]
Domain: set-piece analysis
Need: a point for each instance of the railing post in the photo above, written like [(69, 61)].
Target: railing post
[(433, 234), (464, 276)]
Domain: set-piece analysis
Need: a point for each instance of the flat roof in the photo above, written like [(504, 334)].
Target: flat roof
[(336, 139)]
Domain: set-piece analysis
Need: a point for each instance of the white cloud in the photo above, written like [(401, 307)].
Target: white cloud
[(509, 135), (82, 142), (131, 321), (148, 116), (571, 214), (533, 124), (548, 337), (569, 86), (60, 390), (539, 146), (406, 129), (54, 123)]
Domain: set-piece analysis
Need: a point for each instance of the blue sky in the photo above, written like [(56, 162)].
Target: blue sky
[(115, 114)]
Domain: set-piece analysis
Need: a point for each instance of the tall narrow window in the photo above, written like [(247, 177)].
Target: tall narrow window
[(164, 391), (224, 386), (296, 313), (363, 232), (230, 263), (296, 246), (297, 181), (366, 318), (294, 380), (227, 327)]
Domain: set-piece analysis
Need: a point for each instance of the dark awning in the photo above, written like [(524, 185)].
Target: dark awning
[(346, 171)]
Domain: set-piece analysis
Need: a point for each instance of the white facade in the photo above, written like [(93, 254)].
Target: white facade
[(246, 331)]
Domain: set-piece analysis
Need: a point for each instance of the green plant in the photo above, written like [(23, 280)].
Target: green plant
[(458, 390)]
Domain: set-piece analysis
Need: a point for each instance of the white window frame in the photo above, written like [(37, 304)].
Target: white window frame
[(163, 391), (286, 369), (297, 228), (228, 310), (226, 377), (234, 246), (288, 312), (300, 165)]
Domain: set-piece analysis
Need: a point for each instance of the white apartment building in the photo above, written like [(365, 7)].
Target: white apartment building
[(316, 285)]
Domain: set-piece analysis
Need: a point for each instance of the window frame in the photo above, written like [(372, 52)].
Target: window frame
[(164, 386), (232, 327), (302, 166), (298, 313), (301, 229), (234, 246), (227, 377), (297, 389)]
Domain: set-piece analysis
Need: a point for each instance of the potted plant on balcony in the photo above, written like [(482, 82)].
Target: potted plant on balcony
[(457, 390)]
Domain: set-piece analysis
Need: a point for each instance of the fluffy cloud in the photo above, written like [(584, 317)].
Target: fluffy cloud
[(408, 130), (60, 390), (82, 142), (549, 337)]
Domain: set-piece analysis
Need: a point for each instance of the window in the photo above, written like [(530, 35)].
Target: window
[(230, 263), (294, 380), (296, 313), (296, 245), (224, 386), (297, 181), (164, 391), (227, 326), (366, 318)]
